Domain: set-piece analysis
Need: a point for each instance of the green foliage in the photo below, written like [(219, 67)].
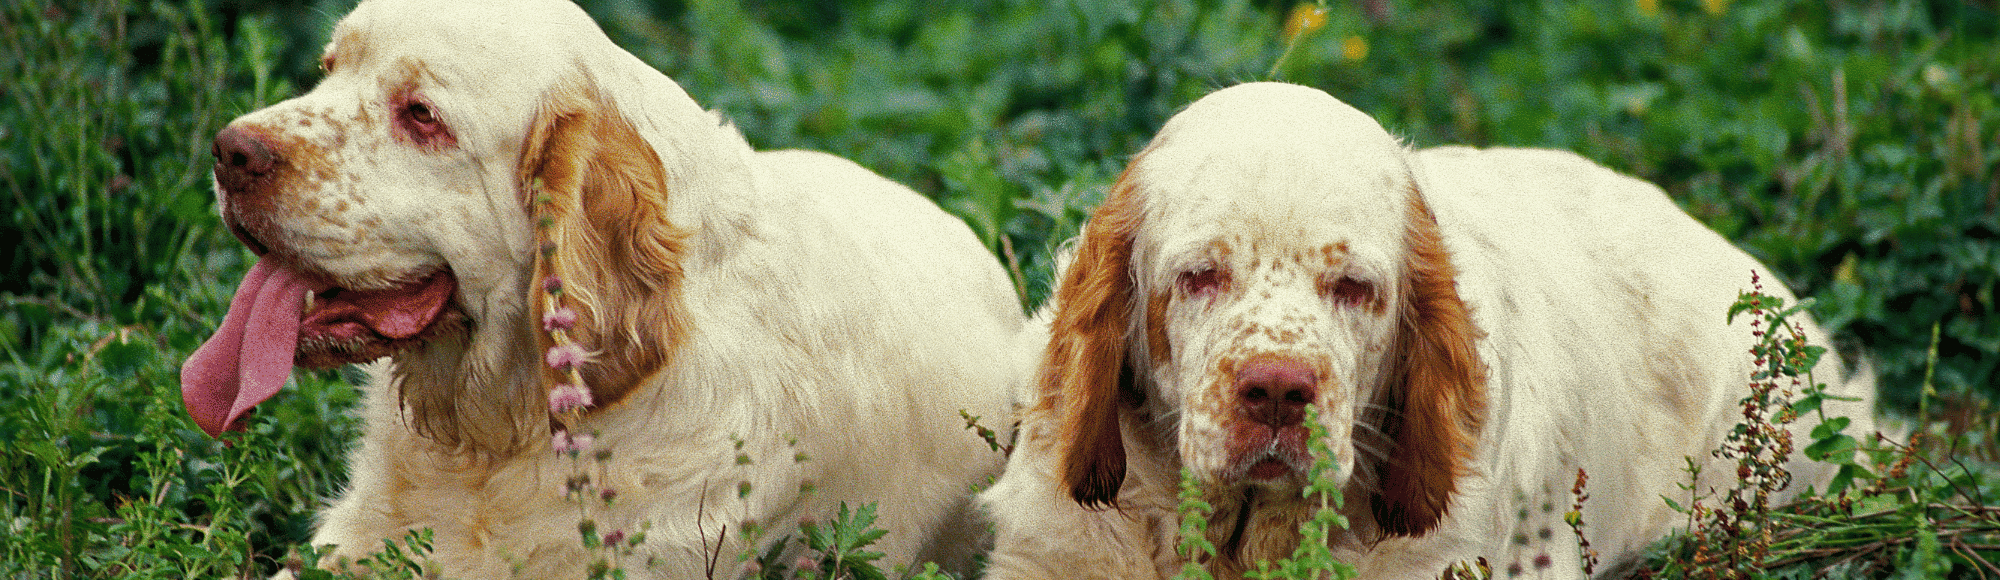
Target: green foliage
[(109, 110), (840, 544), (1313, 559), (1852, 146), (397, 560), (836, 549), (106, 477), (1194, 544)]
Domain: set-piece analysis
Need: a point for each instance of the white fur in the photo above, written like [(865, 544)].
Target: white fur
[(1605, 347), (824, 304)]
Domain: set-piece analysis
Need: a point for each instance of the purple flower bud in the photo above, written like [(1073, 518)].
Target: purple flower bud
[(564, 357), (559, 318), (552, 284), (559, 442), (566, 397)]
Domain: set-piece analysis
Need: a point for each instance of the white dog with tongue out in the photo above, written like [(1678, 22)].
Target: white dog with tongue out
[(477, 187)]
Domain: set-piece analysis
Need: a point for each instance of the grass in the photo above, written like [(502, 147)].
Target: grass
[(1850, 145)]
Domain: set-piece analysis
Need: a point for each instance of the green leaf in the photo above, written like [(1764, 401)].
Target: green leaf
[(1809, 403), (1832, 426), (1836, 449)]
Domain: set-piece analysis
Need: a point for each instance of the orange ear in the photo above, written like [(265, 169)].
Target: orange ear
[(1087, 348), (1438, 387), (603, 200)]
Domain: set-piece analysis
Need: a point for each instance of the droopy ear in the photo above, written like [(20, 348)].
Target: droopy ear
[(1438, 387), (603, 202), (1087, 349)]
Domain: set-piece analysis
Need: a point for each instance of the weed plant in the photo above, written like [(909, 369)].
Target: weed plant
[(1311, 560), (1890, 508), (1850, 145)]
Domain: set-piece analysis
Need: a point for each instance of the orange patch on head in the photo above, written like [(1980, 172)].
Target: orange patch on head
[(1157, 344)]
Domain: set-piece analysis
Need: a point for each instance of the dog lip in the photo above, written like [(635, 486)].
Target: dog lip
[(1268, 469), (342, 325), (250, 240)]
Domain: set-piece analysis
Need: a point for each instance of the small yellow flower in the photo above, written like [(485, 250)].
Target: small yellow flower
[(1714, 7), (1354, 47), (1649, 7), (1305, 19)]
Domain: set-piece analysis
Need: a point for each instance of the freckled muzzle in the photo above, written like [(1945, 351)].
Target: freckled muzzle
[(1266, 430), (287, 312)]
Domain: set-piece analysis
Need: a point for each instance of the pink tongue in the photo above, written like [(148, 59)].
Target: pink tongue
[(250, 357)]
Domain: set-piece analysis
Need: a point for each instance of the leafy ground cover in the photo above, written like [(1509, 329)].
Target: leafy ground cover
[(1850, 145)]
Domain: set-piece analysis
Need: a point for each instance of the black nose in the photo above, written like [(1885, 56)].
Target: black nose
[(243, 159), (1275, 391)]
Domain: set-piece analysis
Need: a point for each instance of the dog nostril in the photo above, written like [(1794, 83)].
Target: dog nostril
[(242, 151), (1275, 391)]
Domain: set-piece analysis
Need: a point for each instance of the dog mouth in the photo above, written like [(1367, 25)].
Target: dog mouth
[(1268, 457), (340, 326), (1271, 467), (281, 317)]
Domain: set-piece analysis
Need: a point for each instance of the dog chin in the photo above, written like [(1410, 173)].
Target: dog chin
[(1270, 469)]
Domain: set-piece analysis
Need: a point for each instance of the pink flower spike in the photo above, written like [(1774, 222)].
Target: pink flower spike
[(564, 357), (559, 442), (614, 538), (566, 397), (552, 284), (581, 442), (559, 318)]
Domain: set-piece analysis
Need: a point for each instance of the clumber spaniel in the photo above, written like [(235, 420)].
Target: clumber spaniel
[(791, 307), (1472, 326)]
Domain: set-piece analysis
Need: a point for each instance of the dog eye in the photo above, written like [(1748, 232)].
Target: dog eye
[(419, 121), (420, 113), (1349, 291), (1204, 282)]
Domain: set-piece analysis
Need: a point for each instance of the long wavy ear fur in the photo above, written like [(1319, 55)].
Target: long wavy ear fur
[(617, 256), (1438, 387), (1087, 348)]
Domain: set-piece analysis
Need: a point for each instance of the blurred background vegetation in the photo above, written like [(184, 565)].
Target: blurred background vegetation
[(1850, 144)]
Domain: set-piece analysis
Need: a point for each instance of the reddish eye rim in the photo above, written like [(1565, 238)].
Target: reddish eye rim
[(1204, 281), (419, 121), (1349, 291)]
